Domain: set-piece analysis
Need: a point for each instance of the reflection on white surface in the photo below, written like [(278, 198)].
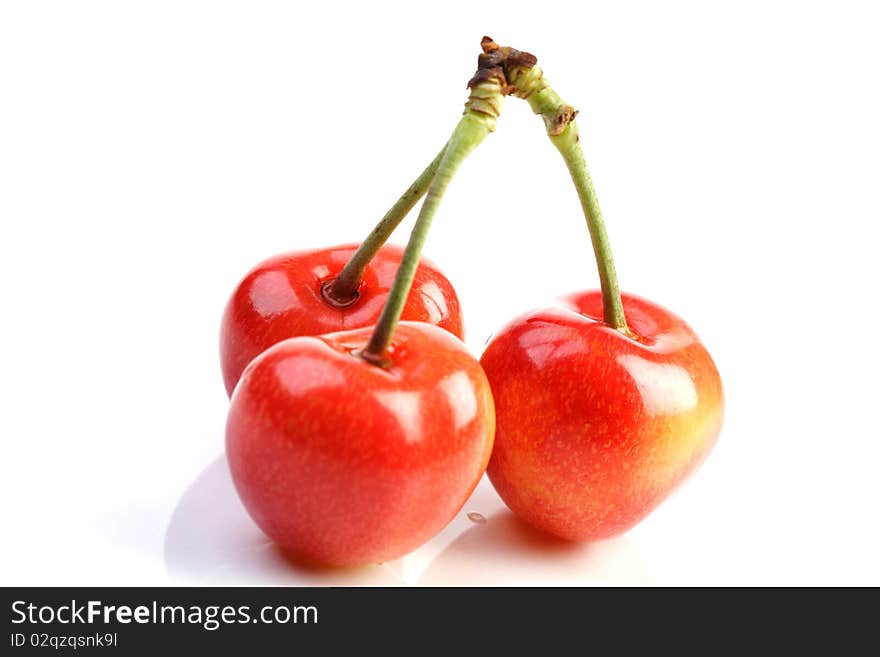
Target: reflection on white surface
[(211, 540), (504, 551), (666, 389)]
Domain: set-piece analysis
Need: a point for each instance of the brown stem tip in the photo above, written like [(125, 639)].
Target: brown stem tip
[(494, 63)]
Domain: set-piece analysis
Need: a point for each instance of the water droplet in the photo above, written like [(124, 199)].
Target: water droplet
[(477, 518)]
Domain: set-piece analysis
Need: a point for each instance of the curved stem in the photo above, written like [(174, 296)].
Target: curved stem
[(569, 147), (478, 121), (526, 80), (344, 288)]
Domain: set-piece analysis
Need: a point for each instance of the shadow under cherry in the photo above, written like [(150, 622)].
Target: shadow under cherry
[(210, 539), (505, 551)]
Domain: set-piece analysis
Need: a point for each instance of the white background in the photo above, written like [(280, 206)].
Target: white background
[(152, 152)]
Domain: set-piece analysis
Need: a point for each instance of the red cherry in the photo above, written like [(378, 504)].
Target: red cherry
[(595, 428), (282, 298), (343, 462)]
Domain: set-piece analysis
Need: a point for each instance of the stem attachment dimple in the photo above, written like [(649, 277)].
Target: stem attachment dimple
[(479, 119), (330, 297), (525, 80)]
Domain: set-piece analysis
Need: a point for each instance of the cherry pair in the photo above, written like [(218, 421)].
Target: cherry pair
[(354, 437)]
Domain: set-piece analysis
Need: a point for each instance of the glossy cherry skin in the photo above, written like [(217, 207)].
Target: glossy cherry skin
[(342, 462), (281, 298), (596, 428)]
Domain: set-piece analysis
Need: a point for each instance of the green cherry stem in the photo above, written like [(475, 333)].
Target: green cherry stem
[(525, 80), (480, 115), (343, 290), (568, 145)]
